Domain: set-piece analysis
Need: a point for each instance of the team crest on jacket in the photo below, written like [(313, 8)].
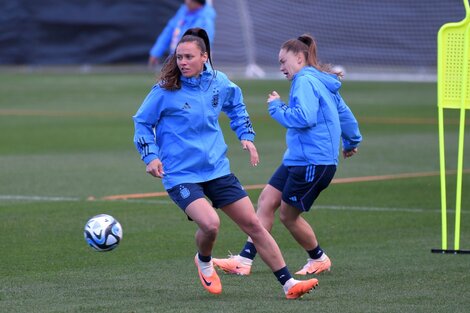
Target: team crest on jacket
[(215, 97)]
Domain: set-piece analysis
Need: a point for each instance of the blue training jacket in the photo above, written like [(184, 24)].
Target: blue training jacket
[(182, 129), (179, 24), (316, 118)]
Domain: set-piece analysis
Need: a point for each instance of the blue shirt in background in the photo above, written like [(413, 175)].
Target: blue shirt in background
[(179, 24)]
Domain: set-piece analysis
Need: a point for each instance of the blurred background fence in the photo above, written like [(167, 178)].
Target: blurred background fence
[(387, 39)]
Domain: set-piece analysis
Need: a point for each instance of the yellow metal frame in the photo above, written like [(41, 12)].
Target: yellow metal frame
[(453, 92)]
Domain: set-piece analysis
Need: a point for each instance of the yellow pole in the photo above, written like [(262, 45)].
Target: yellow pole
[(443, 178), (458, 201)]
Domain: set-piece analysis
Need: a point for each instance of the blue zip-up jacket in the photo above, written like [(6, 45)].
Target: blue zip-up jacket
[(316, 118), (179, 24), (181, 127)]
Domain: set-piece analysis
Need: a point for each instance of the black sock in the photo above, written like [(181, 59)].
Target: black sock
[(315, 253), (248, 251), (204, 258), (283, 275)]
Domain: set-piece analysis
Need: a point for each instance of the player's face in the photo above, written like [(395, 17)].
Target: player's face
[(190, 59), (192, 5), (290, 63)]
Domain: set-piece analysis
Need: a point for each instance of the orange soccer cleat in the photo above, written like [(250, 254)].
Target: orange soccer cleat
[(212, 283), (315, 266), (300, 288), (234, 264)]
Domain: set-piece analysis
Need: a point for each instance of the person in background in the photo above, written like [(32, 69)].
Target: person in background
[(178, 136), (316, 120), (193, 13)]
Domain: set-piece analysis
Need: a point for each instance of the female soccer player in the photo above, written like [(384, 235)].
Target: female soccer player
[(179, 138), (316, 119)]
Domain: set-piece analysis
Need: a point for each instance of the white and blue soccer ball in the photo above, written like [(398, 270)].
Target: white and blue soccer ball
[(103, 232)]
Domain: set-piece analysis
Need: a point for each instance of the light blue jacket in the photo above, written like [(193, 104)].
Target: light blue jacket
[(316, 118), (182, 129), (179, 24)]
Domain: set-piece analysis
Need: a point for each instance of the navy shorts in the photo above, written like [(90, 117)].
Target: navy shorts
[(221, 191), (301, 185)]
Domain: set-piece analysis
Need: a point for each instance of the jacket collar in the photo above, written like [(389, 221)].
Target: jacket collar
[(201, 80)]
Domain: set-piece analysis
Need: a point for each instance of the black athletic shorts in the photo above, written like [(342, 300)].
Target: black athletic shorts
[(301, 185), (221, 191)]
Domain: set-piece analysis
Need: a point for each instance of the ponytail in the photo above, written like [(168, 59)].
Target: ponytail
[(311, 52), (201, 33), (307, 45)]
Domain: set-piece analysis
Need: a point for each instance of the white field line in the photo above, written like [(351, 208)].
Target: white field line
[(36, 198), (163, 201), (24, 198), (325, 207), (374, 209), (138, 197)]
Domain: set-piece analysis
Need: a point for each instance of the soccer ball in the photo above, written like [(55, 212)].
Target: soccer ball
[(103, 232)]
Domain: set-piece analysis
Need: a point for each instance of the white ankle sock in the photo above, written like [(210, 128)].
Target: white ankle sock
[(322, 258), (207, 268), (288, 285), (245, 261)]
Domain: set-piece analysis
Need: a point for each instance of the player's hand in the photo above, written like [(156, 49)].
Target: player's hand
[(250, 146), (349, 153), (273, 96), (155, 168), (153, 61)]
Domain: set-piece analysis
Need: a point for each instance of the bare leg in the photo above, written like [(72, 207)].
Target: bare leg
[(268, 202), (298, 226), (243, 214), (305, 236), (204, 215)]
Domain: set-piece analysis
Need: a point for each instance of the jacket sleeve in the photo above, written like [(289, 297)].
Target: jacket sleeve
[(302, 109), (162, 43), (350, 133), (145, 122), (235, 109)]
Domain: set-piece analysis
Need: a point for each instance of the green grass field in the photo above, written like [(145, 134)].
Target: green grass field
[(67, 138)]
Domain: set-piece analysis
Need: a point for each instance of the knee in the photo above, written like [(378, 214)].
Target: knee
[(211, 228), (285, 219), (253, 227), (268, 203)]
